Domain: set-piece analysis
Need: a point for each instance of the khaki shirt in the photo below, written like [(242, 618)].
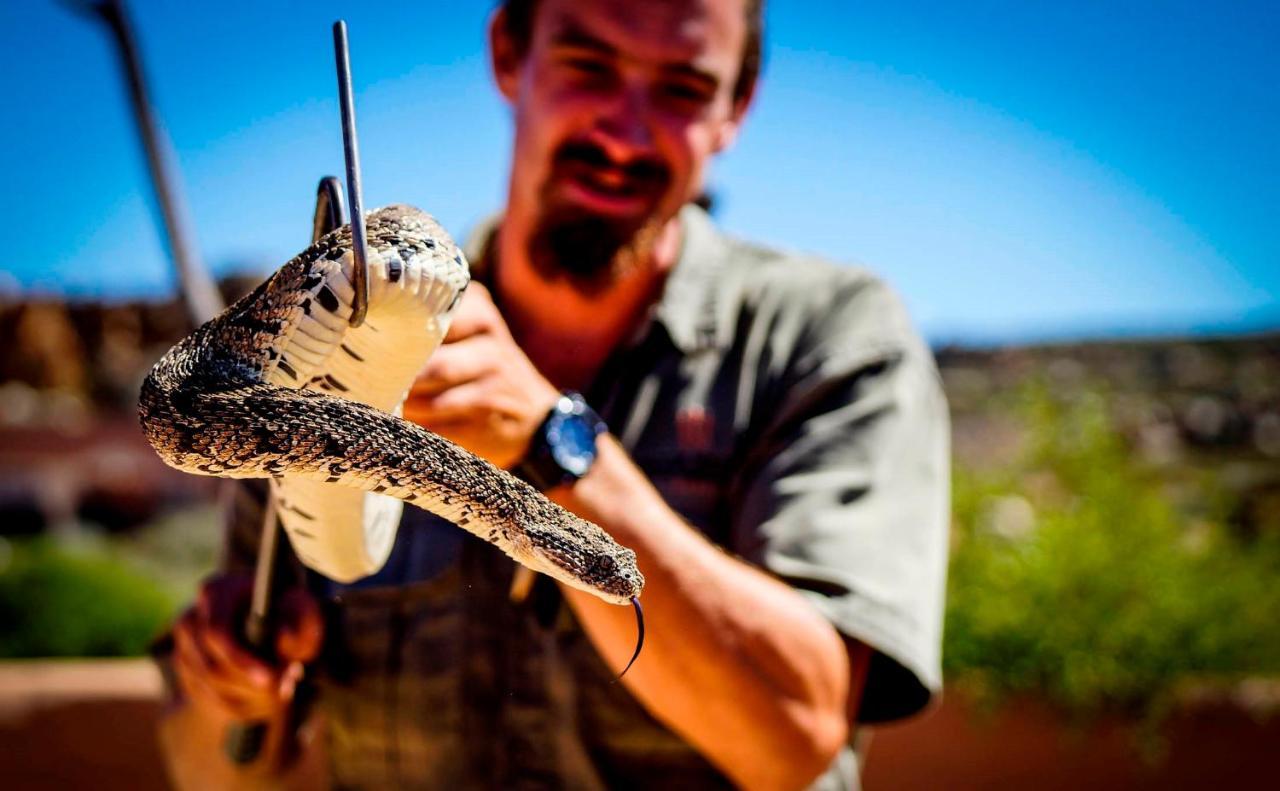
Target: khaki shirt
[(784, 407)]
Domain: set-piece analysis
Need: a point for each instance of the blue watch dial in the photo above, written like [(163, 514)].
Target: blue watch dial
[(564, 447), (572, 440)]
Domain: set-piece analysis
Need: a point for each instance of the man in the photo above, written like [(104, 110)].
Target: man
[(775, 407)]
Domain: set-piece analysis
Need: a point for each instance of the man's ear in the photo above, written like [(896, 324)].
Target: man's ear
[(504, 57), (728, 131)]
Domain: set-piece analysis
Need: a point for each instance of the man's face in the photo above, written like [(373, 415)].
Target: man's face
[(618, 107)]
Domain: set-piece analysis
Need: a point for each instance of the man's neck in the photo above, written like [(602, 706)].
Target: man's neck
[(566, 332)]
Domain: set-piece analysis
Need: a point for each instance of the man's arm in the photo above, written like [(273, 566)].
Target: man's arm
[(736, 661)]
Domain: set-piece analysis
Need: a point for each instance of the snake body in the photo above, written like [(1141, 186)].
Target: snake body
[(280, 386)]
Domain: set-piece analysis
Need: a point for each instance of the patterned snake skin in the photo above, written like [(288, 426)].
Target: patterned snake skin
[(279, 386)]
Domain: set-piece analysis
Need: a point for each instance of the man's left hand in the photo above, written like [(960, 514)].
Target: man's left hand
[(479, 389)]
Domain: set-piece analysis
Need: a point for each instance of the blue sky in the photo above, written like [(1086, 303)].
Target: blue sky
[(1020, 170)]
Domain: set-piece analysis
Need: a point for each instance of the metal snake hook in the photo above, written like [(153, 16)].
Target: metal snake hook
[(244, 740), (350, 150)]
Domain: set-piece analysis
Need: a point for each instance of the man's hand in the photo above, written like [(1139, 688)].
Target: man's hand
[(218, 676), (479, 389)]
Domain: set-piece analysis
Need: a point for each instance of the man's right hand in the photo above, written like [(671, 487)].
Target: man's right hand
[(219, 676)]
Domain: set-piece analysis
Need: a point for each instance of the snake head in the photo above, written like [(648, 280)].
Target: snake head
[(583, 556)]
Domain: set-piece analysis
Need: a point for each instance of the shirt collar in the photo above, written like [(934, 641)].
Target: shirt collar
[(696, 307)]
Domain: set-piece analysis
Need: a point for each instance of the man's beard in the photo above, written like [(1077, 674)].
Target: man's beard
[(590, 250)]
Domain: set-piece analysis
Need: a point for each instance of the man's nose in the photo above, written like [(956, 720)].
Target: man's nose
[(623, 129)]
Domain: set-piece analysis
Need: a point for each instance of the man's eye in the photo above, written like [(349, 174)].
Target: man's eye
[(589, 66), (686, 93)]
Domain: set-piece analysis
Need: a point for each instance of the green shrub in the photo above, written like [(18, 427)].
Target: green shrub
[(62, 601), (1081, 576)]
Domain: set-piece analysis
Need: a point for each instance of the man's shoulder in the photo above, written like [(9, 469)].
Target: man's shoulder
[(766, 269), (830, 299)]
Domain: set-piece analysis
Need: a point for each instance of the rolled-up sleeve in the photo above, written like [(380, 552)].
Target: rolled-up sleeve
[(846, 494)]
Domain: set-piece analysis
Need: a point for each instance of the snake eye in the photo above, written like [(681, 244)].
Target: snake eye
[(603, 566)]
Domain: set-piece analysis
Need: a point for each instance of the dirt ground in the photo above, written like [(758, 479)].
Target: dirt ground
[(80, 724), (91, 724)]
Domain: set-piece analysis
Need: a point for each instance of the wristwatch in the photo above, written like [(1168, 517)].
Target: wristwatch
[(564, 446)]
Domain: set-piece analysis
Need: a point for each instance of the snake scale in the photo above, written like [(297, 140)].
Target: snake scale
[(280, 386)]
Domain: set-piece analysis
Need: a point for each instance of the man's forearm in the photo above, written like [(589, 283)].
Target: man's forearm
[(735, 661)]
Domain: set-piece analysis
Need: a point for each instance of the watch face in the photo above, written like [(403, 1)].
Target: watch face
[(573, 442)]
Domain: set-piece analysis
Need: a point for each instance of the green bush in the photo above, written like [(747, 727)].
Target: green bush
[(1080, 576), (62, 601)]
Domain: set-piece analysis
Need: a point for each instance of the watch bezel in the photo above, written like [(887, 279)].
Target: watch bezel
[(550, 463), (563, 442)]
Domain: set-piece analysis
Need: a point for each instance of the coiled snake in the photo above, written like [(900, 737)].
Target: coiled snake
[(280, 386)]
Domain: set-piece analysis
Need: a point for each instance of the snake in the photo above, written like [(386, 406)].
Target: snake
[(281, 386)]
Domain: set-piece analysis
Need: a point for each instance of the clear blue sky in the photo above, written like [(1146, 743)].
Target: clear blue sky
[(1019, 170)]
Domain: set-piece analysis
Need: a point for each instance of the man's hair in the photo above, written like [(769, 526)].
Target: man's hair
[(518, 20)]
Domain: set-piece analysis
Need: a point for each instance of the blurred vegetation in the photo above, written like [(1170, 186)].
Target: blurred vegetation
[(61, 602), (101, 596), (1082, 575)]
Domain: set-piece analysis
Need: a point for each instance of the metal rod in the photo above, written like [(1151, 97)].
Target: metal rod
[(199, 293), (351, 151), (255, 628), (244, 740)]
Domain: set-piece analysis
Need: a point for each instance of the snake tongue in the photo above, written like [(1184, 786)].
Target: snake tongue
[(635, 602)]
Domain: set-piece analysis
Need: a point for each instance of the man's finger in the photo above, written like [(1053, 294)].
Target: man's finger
[(198, 679), (217, 647), (476, 314), (456, 404), (466, 326), (232, 661), (195, 689), (229, 696), (209, 653), (205, 695), (454, 364), (185, 647)]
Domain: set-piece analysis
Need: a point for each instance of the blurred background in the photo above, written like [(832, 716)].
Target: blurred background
[(1077, 201)]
